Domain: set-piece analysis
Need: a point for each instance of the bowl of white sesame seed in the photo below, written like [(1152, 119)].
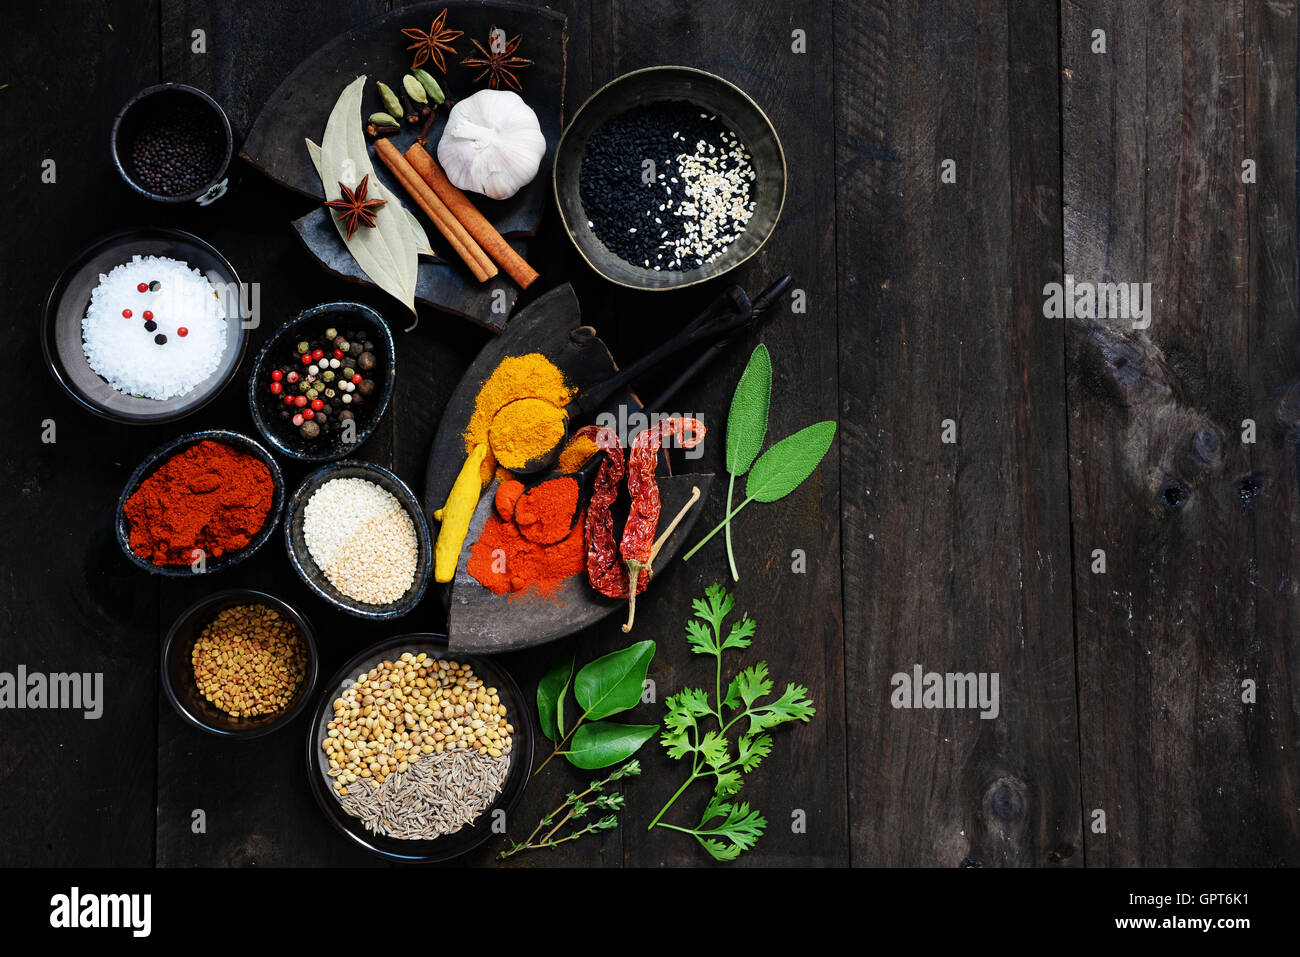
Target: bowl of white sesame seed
[(668, 177), (357, 536)]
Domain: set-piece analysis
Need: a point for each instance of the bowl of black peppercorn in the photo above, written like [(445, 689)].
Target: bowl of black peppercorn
[(323, 381), (171, 143)]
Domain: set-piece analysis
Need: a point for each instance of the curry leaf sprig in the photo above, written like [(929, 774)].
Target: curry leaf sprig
[(726, 829), (578, 808), (607, 686), (778, 471)]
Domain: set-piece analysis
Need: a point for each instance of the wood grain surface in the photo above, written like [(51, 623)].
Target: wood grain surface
[(916, 301)]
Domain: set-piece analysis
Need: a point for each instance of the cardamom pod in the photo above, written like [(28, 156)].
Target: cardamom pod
[(414, 90), (383, 119), (391, 103), (430, 86)]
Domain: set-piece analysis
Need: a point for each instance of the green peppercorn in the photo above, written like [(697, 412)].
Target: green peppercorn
[(312, 394), (304, 347), (303, 385), (330, 393), (328, 375), (331, 333), (348, 372)]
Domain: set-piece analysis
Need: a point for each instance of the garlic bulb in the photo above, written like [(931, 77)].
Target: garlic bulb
[(492, 144)]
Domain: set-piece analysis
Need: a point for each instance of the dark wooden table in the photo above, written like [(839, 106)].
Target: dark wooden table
[(1121, 691)]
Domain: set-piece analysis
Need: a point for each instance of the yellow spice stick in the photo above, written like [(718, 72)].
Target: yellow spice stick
[(455, 515)]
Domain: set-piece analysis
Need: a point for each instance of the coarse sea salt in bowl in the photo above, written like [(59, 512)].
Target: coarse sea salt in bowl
[(366, 534), (151, 355)]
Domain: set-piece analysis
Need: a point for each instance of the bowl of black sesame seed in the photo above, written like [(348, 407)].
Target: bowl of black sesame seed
[(171, 143), (668, 177)]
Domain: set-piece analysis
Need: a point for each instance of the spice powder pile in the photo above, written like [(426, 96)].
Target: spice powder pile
[(531, 376), (210, 498)]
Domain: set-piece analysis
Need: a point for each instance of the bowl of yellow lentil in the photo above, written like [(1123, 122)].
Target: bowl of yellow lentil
[(416, 753), (239, 663)]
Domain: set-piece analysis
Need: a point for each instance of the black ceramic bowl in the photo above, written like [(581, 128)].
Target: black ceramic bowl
[(712, 94), (472, 834), (311, 573), (310, 325), (69, 298), (168, 107), (178, 669), (241, 443)]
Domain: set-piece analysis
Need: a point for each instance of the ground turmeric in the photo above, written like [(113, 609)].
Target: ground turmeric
[(531, 376)]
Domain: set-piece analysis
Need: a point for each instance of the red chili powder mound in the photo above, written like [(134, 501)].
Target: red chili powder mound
[(505, 561), (209, 497)]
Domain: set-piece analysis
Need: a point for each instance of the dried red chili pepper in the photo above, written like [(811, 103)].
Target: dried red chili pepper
[(638, 546), (604, 572)]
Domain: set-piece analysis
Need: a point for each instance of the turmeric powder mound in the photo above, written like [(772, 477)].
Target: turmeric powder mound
[(531, 376), (523, 430), (576, 454)]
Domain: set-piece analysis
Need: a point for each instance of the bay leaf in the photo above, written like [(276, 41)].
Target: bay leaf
[(387, 253), (614, 682), (551, 691)]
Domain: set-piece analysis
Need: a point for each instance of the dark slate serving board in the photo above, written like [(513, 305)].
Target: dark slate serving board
[(478, 620), (481, 622), (300, 106)]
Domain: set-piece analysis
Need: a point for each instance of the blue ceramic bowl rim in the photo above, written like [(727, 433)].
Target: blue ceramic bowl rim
[(369, 314), (524, 735), (424, 543), (228, 139), (50, 309), (122, 528), (305, 691)]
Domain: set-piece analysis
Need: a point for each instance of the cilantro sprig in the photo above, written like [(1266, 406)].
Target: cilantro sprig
[(727, 828)]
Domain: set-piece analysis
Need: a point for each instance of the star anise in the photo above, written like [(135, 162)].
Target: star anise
[(429, 46), (357, 211), (498, 65)]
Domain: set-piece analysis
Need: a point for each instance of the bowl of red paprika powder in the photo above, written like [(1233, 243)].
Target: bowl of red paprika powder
[(199, 504)]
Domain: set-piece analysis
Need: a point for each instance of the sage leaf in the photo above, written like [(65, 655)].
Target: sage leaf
[(747, 420), (388, 253), (613, 683), (551, 691), (784, 467), (602, 743)]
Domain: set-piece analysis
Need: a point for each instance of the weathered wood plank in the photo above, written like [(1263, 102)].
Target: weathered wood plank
[(72, 791), (1197, 526), (957, 556)]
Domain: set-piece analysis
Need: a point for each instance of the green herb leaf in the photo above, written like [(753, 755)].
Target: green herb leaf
[(740, 826), (748, 686), (793, 705), (752, 751), (728, 783), (747, 420), (601, 743), (714, 750), (615, 682), (784, 467), (551, 691)]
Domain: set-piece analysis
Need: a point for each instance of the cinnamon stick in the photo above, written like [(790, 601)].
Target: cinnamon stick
[(483, 232), (447, 223)]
